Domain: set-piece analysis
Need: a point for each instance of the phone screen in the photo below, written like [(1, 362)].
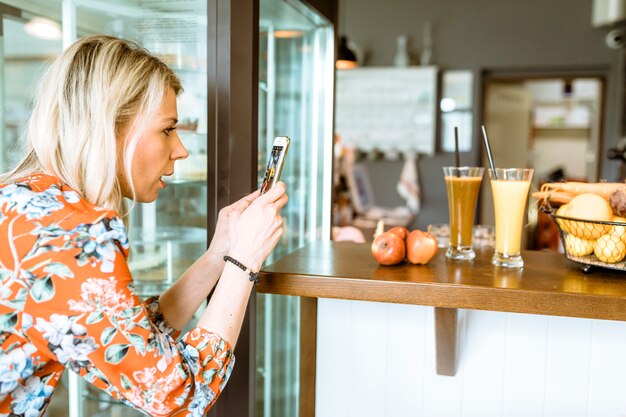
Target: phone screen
[(274, 165)]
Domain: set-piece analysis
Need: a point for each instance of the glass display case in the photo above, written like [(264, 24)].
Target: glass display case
[(296, 49), (170, 234), (296, 71)]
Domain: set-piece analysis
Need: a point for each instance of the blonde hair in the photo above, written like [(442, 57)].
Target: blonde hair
[(99, 89)]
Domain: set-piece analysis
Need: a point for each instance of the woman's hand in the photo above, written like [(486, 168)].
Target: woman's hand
[(256, 226), (182, 299), (220, 244)]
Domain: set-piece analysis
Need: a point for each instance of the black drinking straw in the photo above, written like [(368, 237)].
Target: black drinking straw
[(488, 149), (457, 159)]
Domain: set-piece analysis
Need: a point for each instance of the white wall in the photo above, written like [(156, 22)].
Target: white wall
[(570, 153), (378, 359), (478, 35)]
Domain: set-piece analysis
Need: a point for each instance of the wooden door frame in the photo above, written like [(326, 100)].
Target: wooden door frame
[(232, 105), (603, 73), (232, 71)]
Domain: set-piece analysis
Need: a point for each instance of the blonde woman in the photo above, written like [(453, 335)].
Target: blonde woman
[(104, 128)]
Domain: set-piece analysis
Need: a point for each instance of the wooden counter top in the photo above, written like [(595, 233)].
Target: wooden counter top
[(548, 284)]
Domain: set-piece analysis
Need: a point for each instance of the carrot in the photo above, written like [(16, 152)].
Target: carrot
[(603, 189), (557, 197)]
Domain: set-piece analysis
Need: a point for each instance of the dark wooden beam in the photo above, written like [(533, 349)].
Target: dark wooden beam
[(232, 102)]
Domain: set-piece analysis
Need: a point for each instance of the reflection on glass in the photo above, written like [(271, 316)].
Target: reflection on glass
[(295, 100), (25, 58)]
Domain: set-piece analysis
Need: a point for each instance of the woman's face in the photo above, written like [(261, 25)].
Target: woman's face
[(157, 149)]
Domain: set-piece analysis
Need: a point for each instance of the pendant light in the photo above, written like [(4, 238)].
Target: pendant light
[(345, 57)]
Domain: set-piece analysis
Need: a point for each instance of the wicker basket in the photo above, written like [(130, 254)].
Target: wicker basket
[(592, 243)]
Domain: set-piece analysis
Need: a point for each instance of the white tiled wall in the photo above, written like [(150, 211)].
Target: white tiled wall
[(378, 360)]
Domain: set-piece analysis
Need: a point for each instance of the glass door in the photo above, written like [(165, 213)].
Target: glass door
[(295, 100)]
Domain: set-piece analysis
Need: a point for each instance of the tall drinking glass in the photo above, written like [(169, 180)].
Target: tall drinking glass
[(510, 192), (463, 185)]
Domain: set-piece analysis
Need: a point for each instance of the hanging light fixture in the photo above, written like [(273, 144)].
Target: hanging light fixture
[(345, 57), (43, 28)]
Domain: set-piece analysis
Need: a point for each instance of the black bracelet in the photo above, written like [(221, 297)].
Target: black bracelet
[(254, 276)]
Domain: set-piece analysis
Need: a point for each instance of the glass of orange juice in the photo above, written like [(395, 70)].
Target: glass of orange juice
[(509, 187), (463, 185)]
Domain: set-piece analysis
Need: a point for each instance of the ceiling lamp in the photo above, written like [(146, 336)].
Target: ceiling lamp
[(288, 33), (43, 28), (345, 57)]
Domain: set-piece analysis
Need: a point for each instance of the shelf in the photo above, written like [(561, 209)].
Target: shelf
[(188, 133), (565, 127), (549, 284), (565, 102), (188, 70), (569, 132), (457, 110), (186, 182)]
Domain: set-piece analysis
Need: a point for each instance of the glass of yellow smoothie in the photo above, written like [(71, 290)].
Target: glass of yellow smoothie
[(463, 185), (510, 192)]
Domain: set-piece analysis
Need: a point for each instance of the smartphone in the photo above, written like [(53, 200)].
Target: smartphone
[(275, 162)]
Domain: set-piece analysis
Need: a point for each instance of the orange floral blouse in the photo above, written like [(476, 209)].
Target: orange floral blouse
[(67, 301)]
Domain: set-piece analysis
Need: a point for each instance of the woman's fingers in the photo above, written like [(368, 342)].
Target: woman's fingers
[(275, 192), (244, 203), (280, 203), (240, 205), (256, 224), (247, 200), (252, 196)]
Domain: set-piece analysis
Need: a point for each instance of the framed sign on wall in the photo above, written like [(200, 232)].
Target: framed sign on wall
[(392, 110)]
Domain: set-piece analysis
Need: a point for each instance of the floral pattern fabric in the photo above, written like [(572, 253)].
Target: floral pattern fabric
[(66, 301)]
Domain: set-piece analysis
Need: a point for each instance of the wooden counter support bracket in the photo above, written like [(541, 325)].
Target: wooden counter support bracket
[(446, 340), (308, 355)]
